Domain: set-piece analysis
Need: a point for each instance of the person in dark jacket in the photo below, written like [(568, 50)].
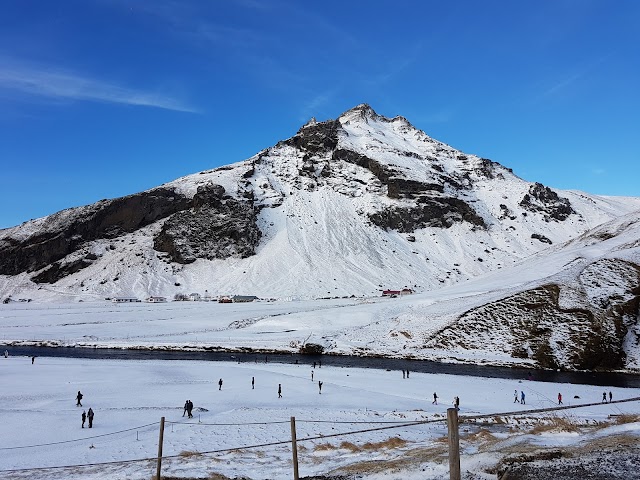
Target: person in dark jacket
[(220, 384), (90, 416), (78, 398), (279, 390), (189, 409), (319, 386), (435, 399), (186, 407), (84, 418)]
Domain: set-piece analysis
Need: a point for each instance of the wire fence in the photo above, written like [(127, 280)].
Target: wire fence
[(388, 425)]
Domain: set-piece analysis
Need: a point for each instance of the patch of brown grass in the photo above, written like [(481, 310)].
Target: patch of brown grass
[(480, 435), (189, 454), (350, 446), (409, 459), (323, 447), (626, 418), (392, 442), (554, 424)]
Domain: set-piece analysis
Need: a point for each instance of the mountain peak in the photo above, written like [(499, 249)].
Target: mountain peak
[(359, 112)]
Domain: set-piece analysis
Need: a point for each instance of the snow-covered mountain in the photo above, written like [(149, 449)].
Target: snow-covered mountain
[(504, 270), (345, 207)]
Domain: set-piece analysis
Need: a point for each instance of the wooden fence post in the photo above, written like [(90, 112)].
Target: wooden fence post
[(454, 444), (158, 474), (294, 448)]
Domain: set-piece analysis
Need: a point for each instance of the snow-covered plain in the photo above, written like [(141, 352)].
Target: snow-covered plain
[(41, 424)]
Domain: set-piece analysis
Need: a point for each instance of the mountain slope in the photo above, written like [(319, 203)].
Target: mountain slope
[(345, 207)]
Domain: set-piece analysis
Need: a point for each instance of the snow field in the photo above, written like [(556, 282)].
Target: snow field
[(38, 407)]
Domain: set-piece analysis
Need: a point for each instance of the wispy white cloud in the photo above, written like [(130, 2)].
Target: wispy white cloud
[(64, 85), (564, 83)]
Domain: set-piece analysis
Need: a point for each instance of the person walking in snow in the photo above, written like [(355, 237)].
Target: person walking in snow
[(312, 375), (515, 397), (78, 398), (610, 397), (84, 418), (189, 409), (220, 384), (456, 402), (186, 407), (319, 386), (559, 399), (279, 390), (407, 373), (253, 383), (522, 397), (6, 354), (403, 374), (435, 399), (604, 397), (90, 416), (33, 359)]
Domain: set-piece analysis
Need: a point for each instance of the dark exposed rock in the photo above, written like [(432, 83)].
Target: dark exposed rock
[(217, 226), (404, 187), (59, 270), (542, 238), (488, 168), (311, 349), (316, 137), (69, 230), (351, 157), (440, 212), (543, 200)]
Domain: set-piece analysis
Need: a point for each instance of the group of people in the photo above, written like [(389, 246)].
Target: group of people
[(188, 408), (522, 397), (253, 386), (87, 415)]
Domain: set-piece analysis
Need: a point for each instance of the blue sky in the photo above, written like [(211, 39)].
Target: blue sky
[(103, 98)]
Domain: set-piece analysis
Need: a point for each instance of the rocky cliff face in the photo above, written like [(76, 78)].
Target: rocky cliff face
[(216, 226), (65, 232)]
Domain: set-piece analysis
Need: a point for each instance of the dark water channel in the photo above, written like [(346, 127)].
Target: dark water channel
[(425, 366)]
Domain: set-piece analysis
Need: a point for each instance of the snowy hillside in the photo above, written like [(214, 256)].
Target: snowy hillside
[(345, 207), (575, 306)]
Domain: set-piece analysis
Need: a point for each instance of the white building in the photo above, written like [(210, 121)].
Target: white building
[(125, 300), (156, 299)]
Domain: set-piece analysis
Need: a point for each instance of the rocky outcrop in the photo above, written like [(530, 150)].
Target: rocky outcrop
[(541, 238), (532, 324), (67, 231), (440, 212), (316, 137), (541, 199), (61, 269), (217, 226)]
